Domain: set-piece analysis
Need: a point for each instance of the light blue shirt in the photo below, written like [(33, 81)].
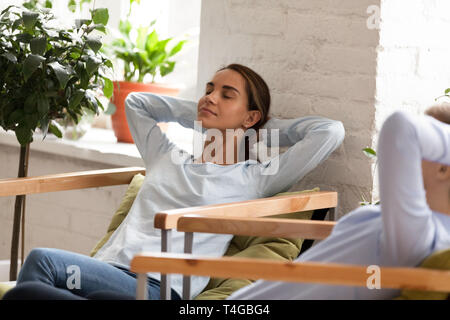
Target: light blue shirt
[(402, 231), (170, 185)]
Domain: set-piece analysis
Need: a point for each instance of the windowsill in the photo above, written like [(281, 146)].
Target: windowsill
[(99, 145)]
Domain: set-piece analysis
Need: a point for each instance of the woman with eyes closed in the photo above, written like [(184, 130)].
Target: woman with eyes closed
[(236, 99)]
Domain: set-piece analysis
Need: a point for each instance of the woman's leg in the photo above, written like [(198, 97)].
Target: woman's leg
[(80, 274), (34, 290)]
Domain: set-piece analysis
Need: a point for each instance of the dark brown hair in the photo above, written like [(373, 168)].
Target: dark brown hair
[(440, 112), (258, 94), (257, 91)]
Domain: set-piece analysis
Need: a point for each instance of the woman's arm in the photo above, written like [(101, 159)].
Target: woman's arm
[(144, 110), (407, 223), (311, 140)]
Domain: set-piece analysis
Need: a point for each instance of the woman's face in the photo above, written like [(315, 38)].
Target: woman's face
[(227, 101)]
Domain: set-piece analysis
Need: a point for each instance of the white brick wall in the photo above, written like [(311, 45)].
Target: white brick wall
[(413, 59), (318, 57)]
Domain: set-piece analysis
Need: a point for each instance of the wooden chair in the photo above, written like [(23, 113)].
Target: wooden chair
[(167, 220), (309, 272)]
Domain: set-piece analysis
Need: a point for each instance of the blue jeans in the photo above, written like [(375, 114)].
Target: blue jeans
[(82, 275)]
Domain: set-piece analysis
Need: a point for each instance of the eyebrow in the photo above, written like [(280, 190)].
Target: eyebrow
[(225, 87)]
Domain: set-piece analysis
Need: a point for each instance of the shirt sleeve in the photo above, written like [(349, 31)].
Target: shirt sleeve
[(405, 140), (144, 110), (310, 140)]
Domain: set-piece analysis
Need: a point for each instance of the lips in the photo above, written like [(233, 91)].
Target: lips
[(208, 111)]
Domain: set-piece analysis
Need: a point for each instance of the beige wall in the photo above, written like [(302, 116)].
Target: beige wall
[(71, 220)]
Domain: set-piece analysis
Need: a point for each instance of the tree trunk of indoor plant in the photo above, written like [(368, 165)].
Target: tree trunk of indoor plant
[(19, 211)]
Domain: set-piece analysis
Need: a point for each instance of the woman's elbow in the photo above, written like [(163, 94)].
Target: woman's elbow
[(337, 131), (130, 100)]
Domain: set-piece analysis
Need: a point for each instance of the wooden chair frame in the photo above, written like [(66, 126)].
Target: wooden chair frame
[(308, 272), (167, 220)]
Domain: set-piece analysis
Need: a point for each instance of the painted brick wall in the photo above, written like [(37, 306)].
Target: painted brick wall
[(318, 57)]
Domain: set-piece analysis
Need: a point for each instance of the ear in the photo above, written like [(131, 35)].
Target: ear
[(443, 172), (253, 116)]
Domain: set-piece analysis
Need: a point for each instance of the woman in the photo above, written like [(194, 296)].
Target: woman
[(236, 98), (412, 221)]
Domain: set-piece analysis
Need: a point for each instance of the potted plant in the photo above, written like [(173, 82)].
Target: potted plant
[(48, 73), (145, 54)]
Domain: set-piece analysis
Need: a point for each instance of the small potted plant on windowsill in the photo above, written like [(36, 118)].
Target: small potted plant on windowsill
[(143, 55)]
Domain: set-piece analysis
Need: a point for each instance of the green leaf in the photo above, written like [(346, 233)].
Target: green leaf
[(6, 9), (74, 55), (100, 16), (168, 68), (92, 64), (100, 27), (16, 116), (24, 37), (10, 57), (75, 99), (48, 4), (447, 91), (141, 37), (55, 130), (38, 45), (30, 104), (29, 19), (31, 63), (151, 42), (177, 48), (369, 152), (24, 134), (161, 46), (44, 123), (92, 102), (80, 22), (94, 43), (84, 79), (43, 105), (108, 88), (125, 27), (72, 5), (62, 73), (31, 120)]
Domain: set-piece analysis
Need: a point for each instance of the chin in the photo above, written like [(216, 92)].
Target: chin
[(206, 123)]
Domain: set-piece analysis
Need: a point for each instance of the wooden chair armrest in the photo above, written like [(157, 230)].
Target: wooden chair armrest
[(309, 272), (252, 208), (261, 227), (68, 181)]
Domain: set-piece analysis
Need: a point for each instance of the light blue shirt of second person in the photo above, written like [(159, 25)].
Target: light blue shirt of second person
[(402, 231)]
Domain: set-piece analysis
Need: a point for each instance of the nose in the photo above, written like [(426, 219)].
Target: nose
[(211, 97)]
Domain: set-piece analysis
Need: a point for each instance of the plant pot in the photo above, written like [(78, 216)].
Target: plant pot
[(121, 91)]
